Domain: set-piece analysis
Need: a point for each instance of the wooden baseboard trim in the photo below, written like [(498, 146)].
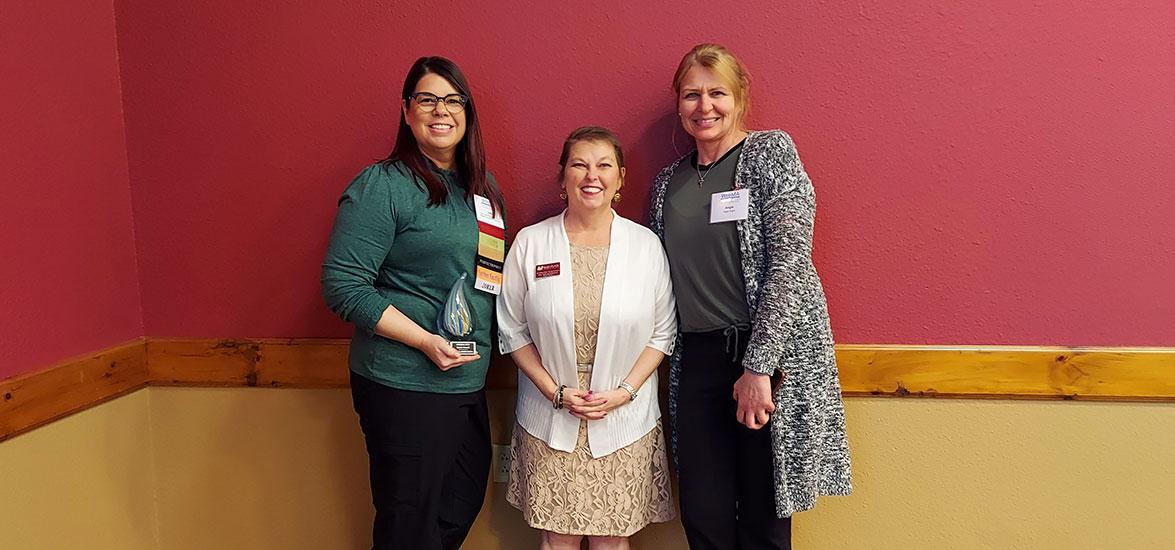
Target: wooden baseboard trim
[(973, 372)]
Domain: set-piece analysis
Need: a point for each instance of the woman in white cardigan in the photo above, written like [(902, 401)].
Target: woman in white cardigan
[(587, 313)]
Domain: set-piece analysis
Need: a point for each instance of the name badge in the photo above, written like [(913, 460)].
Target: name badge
[(729, 206), (491, 246), (485, 212), (546, 270)]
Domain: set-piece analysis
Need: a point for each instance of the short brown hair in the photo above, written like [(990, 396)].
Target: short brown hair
[(590, 133), (718, 59)]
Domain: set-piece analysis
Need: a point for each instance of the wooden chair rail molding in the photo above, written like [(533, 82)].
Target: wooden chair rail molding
[(986, 372), (31, 400)]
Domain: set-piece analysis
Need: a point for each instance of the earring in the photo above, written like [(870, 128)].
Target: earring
[(562, 193), (616, 197)]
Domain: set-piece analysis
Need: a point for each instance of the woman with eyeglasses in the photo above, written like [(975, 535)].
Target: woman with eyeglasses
[(759, 426), (406, 236), (587, 314)]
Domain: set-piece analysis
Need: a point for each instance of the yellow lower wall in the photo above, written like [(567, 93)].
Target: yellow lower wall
[(962, 474), (82, 482), (256, 468)]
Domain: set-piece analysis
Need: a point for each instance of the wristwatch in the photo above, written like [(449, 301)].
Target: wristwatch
[(628, 388)]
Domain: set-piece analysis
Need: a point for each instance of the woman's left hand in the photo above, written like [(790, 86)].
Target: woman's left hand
[(752, 391), (596, 405)]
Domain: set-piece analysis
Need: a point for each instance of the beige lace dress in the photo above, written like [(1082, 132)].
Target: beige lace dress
[(573, 493)]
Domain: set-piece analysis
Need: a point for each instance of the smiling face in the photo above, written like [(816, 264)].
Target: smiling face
[(591, 176), (710, 110), (437, 131)]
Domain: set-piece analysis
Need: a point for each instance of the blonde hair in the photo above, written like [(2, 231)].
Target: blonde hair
[(718, 59)]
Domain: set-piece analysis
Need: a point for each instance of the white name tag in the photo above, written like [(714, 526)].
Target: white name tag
[(729, 206), (485, 212), (491, 248)]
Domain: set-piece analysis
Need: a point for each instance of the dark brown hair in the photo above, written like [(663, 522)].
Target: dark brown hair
[(469, 159), (590, 133)]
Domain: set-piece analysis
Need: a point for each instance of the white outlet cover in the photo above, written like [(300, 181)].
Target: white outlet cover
[(500, 466)]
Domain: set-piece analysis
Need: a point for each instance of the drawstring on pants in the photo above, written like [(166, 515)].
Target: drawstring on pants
[(731, 334)]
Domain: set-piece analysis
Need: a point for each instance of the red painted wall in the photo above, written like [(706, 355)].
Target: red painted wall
[(68, 280), (988, 173)]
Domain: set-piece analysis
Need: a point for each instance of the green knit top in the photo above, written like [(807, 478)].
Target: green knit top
[(388, 247)]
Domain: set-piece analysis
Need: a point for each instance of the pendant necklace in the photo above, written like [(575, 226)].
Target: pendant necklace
[(702, 175)]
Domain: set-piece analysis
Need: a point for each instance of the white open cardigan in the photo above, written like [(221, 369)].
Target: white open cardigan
[(637, 311)]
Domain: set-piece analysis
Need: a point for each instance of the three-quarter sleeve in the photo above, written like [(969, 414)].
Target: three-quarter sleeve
[(513, 332), (664, 305), (363, 234)]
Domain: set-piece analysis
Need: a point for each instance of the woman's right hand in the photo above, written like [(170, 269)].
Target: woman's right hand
[(443, 355), (573, 400)]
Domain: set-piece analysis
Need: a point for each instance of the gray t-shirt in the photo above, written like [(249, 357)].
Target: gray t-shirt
[(704, 259)]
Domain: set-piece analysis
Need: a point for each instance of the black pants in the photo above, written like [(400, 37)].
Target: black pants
[(430, 462), (726, 469)]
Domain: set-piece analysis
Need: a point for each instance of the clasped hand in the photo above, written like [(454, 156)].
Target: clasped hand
[(593, 406)]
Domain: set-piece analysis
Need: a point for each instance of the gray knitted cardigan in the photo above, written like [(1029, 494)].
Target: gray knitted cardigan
[(790, 329)]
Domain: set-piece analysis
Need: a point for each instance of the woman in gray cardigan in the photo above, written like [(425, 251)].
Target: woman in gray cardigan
[(736, 218)]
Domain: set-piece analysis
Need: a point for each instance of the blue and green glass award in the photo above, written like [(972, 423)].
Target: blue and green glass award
[(455, 319)]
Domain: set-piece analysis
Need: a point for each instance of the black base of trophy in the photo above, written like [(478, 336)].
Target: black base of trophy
[(465, 348)]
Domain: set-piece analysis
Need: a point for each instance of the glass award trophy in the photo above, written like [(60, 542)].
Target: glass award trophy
[(455, 320)]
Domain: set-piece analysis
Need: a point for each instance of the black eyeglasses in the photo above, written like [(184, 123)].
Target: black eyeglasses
[(454, 103)]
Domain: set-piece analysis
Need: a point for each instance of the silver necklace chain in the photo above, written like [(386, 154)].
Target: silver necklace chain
[(702, 175)]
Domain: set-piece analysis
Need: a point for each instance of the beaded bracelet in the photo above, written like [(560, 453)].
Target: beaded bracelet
[(557, 402)]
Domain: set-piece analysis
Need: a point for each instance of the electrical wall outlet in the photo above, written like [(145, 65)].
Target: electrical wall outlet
[(501, 463)]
